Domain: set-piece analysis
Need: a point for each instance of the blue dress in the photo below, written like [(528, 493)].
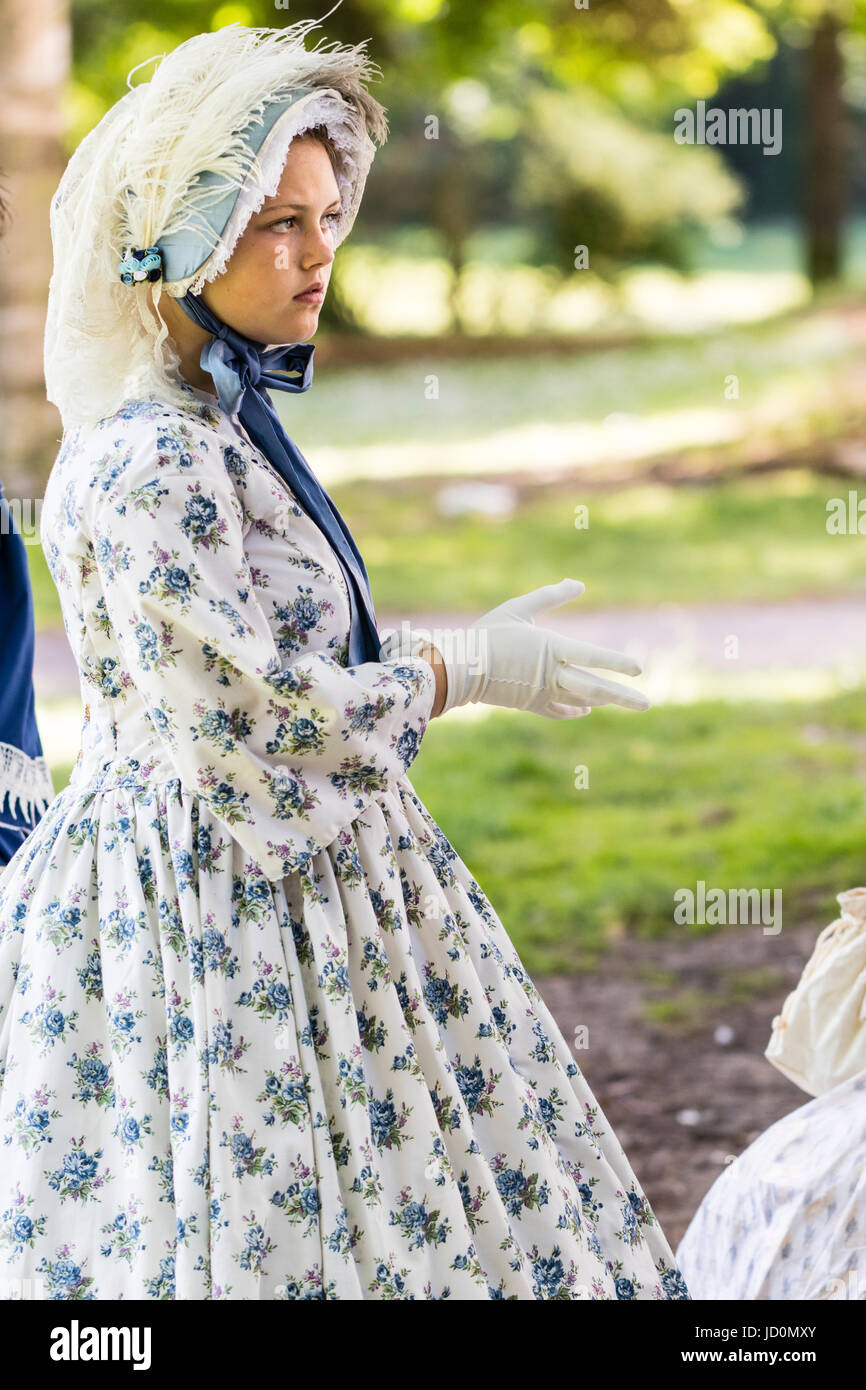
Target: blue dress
[(262, 1034), (26, 787)]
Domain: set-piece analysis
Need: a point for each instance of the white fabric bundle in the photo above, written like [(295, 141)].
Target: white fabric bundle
[(819, 1038)]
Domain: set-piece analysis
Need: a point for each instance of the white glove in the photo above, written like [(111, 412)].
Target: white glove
[(504, 659)]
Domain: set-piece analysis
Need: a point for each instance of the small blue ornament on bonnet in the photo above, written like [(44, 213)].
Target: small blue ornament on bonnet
[(141, 263)]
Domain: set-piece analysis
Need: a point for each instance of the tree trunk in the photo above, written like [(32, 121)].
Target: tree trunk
[(826, 150), (453, 221), (34, 64)]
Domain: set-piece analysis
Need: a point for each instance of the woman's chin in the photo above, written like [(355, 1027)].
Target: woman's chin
[(300, 322)]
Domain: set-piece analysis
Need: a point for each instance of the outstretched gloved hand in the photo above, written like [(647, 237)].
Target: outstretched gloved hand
[(504, 659)]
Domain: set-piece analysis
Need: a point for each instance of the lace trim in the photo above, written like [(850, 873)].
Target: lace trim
[(26, 787), (355, 155)]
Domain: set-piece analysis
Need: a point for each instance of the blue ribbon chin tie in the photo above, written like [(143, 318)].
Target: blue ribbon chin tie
[(243, 372)]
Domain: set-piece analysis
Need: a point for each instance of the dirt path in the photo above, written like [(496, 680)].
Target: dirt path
[(804, 634), (798, 634), (681, 1102)]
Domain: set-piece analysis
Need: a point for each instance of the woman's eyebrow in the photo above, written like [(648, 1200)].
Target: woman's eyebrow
[(302, 207)]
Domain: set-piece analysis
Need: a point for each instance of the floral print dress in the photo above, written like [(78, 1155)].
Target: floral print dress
[(262, 1035), (787, 1218)]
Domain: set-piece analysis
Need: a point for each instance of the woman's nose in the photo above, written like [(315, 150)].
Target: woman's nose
[(319, 249)]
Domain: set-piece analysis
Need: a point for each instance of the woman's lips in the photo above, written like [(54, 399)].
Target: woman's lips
[(314, 296)]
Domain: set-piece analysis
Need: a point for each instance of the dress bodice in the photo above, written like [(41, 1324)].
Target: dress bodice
[(292, 570)]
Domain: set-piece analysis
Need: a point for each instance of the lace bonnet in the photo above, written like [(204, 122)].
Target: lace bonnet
[(181, 163)]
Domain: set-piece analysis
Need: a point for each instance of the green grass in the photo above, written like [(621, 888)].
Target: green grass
[(46, 600), (735, 795), (757, 538), (683, 1010), (61, 773)]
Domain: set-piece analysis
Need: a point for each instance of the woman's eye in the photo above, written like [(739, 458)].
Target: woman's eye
[(332, 217)]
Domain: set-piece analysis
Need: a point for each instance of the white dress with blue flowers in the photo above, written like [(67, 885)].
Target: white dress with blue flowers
[(262, 1035)]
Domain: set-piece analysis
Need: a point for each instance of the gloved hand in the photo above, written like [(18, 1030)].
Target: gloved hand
[(504, 659)]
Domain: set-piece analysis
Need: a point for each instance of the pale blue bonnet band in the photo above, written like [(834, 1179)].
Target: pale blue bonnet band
[(184, 252)]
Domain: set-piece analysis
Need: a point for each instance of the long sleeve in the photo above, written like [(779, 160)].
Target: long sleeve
[(284, 755)]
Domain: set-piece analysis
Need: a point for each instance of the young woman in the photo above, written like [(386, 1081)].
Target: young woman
[(263, 1034)]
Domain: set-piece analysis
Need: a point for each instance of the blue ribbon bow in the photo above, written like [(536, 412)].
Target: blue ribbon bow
[(243, 371)]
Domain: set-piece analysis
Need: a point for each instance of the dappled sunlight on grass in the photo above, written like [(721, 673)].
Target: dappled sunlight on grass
[(578, 410), (756, 537), (539, 445)]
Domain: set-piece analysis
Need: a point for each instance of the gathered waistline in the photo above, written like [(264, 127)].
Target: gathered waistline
[(143, 773), (121, 772)]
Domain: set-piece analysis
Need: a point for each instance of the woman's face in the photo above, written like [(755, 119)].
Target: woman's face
[(286, 248)]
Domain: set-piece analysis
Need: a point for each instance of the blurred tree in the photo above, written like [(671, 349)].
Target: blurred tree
[(546, 113), (825, 163), (818, 79), (480, 73), (34, 63), (596, 179)]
